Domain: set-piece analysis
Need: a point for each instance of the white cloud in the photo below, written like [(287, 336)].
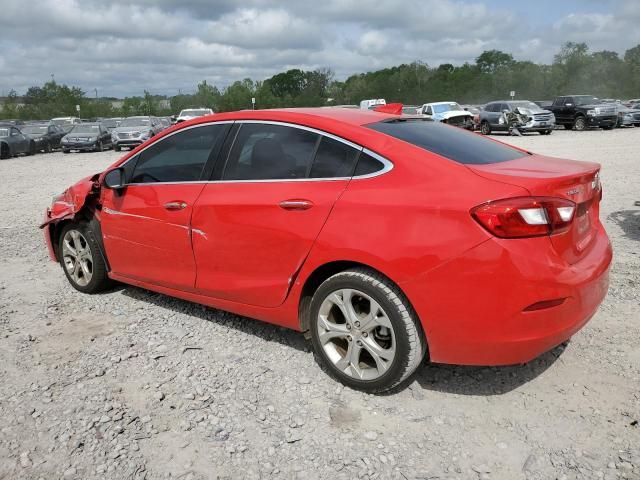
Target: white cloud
[(122, 47)]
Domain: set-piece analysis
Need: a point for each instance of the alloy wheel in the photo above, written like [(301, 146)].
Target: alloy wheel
[(356, 334), (77, 257)]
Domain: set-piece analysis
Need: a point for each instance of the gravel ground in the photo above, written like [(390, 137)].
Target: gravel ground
[(130, 384)]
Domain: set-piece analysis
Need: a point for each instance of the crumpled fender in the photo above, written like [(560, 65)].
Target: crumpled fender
[(72, 200)]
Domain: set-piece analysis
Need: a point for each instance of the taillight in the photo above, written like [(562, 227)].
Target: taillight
[(525, 216)]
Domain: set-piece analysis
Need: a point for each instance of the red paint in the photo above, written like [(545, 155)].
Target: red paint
[(236, 248)]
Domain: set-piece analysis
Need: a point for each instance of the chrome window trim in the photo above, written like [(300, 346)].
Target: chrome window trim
[(387, 164), (171, 135)]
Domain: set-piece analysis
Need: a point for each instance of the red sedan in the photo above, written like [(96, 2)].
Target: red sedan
[(385, 238)]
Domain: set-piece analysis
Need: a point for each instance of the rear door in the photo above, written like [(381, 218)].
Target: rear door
[(254, 226), (146, 226)]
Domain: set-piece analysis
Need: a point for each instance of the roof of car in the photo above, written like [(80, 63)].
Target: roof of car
[(350, 116)]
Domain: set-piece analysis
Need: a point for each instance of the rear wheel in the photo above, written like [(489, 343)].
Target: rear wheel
[(485, 128), (364, 331), (81, 259), (580, 124), (5, 151), (546, 132)]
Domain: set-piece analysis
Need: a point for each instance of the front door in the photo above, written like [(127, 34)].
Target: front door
[(146, 226), (254, 227)]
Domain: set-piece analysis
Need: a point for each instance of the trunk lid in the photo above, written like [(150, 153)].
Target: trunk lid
[(553, 177)]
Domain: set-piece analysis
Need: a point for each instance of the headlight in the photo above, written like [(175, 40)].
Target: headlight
[(591, 113), (65, 139), (145, 135)]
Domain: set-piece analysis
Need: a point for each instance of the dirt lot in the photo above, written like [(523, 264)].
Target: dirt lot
[(130, 384)]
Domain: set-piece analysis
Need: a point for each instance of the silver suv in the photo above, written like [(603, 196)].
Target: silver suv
[(133, 131), (494, 116)]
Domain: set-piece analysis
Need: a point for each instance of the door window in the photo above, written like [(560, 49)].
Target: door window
[(333, 159), (178, 158), (367, 165), (270, 152)]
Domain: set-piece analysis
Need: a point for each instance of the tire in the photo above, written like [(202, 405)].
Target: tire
[(117, 148), (608, 128), (5, 151), (86, 270), (485, 128), (395, 337), (48, 148), (99, 147), (65, 151), (580, 124), (545, 132), (32, 149)]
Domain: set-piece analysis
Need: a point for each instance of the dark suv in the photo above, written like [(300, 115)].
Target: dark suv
[(583, 111)]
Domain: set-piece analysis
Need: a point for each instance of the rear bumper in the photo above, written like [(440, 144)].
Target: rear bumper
[(473, 308)]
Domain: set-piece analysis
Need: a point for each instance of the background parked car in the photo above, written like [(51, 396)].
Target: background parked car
[(492, 117), (66, 123), (46, 136), (134, 131), (87, 137), (165, 122), (448, 112), (583, 111), (628, 117), (410, 109), (13, 142), (111, 123), (190, 113)]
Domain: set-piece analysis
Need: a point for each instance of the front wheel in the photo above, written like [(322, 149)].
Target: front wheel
[(364, 331), (32, 148), (99, 147), (81, 259), (485, 128), (580, 124)]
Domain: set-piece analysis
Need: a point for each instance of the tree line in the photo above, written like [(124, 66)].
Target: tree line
[(574, 70)]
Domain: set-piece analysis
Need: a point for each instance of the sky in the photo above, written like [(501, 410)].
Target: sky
[(122, 47)]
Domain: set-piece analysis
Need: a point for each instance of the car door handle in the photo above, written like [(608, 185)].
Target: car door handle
[(175, 205), (296, 204)]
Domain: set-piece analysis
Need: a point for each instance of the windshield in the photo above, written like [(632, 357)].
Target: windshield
[(453, 143), (586, 100), (446, 107), (62, 122), (35, 129), (135, 122), (4, 132), (193, 113), (528, 105), (110, 123), (95, 129)]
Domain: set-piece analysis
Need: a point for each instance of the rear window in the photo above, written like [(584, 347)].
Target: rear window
[(450, 142)]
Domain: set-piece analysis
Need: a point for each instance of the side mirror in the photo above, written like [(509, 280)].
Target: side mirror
[(115, 179)]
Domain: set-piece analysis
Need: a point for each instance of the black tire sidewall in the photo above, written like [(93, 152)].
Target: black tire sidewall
[(577, 122), (399, 365), (99, 280), (485, 128)]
